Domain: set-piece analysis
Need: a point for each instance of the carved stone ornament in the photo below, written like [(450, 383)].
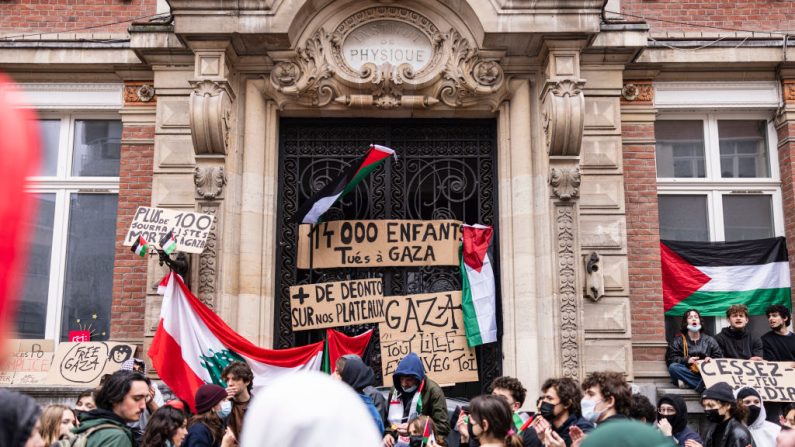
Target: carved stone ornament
[(442, 68), (567, 291), (563, 116), (210, 116), (208, 261), (138, 93), (789, 90), (638, 92), (565, 183), (210, 182)]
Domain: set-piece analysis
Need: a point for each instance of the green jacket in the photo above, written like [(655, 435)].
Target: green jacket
[(107, 437), (434, 405)]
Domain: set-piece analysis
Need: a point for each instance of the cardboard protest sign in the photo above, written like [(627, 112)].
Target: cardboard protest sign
[(432, 326), (775, 381), (332, 304), (29, 362), (190, 228), (380, 243), (85, 363)]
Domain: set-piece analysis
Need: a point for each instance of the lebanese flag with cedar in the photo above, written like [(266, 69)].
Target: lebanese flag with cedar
[(193, 345), (711, 276)]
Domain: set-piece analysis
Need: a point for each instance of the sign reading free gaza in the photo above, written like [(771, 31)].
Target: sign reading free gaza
[(190, 228)]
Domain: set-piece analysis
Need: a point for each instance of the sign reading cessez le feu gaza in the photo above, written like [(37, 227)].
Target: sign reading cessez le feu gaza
[(190, 228), (380, 243)]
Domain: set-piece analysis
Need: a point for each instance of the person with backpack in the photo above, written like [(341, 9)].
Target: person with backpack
[(121, 400)]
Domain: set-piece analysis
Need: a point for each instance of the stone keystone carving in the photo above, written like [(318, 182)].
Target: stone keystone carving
[(563, 116), (565, 183), (455, 75), (210, 116), (210, 182)]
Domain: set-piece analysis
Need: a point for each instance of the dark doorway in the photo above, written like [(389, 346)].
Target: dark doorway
[(446, 169)]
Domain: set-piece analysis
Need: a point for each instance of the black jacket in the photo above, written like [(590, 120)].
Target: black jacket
[(563, 431), (735, 435), (739, 344), (705, 347)]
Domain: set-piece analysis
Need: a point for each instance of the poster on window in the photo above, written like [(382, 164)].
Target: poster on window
[(28, 363), (84, 363), (430, 325), (190, 228)]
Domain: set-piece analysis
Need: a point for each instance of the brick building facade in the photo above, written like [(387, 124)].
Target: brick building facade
[(577, 91)]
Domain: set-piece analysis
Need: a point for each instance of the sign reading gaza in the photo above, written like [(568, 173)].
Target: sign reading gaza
[(432, 326), (190, 228), (775, 381), (332, 304), (380, 243)]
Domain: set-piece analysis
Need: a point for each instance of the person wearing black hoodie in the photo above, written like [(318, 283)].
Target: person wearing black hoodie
[(414, 394), (735, 341), (378, 399), (353, 371), (19, 421), (672, 420)]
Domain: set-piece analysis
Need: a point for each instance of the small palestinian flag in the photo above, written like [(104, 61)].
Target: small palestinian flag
[(314, 207), (711, 276), (140, 247), (168, 243), (427, 432)]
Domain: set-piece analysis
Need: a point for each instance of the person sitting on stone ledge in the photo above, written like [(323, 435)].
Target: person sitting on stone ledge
[(689, 347), (736, 341)]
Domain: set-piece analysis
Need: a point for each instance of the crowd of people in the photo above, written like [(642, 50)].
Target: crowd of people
[(298, 409)]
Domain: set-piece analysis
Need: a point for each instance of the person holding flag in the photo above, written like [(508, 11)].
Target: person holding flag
[(414, 394)]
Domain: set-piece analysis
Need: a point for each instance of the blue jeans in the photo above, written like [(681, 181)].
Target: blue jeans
[(681, 372)]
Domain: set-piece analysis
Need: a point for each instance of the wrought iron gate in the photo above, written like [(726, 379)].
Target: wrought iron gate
[(446, 169)]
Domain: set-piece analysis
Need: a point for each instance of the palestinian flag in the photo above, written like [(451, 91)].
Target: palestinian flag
[(427, 432), (478, 288), (339, 344), (140, 247), (311, 210), (168, 243), (193, 345), (711, 276)]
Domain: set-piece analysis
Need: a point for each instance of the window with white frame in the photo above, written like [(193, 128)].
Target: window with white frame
[(718, 180), (69, 277)]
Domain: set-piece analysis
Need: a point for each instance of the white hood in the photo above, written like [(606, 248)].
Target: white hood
[(304, 409), (764, 432)]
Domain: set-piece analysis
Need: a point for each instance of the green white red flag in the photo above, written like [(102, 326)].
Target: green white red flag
[(478, 287), (168, 243), (313, 209), (711, 276)]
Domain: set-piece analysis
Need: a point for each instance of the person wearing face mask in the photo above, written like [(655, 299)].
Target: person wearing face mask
[(559, 411), (688, 349), (764, 432), (414, 394), (512, 390), (607, 397), (672, 420), (726, 415), (206, 428), (735, 341)]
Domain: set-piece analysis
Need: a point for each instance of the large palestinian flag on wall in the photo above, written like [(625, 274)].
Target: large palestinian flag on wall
[(711, 276)]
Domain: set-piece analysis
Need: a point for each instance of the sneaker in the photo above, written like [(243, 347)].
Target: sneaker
[(682, 385)]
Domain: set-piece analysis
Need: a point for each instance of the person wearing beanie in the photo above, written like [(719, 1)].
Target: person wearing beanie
[(763, 431), (726, 415), (207, 427)]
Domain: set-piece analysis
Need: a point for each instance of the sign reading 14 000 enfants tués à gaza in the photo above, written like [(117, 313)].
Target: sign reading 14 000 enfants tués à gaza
[(380, 243)]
